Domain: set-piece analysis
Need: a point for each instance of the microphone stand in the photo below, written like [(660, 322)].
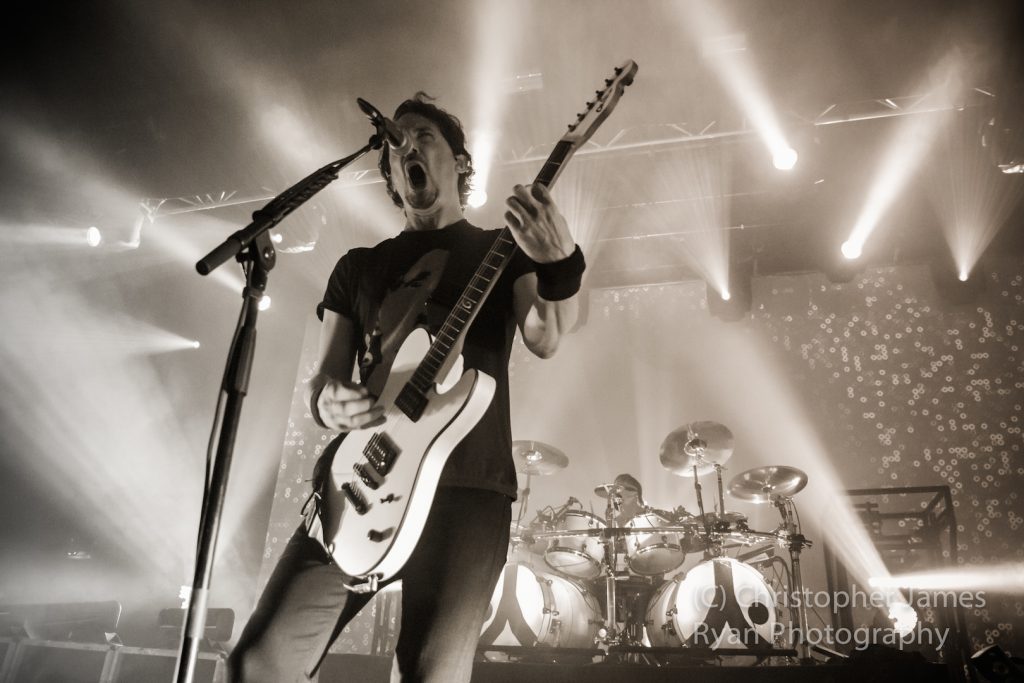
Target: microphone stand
[(252, 247)]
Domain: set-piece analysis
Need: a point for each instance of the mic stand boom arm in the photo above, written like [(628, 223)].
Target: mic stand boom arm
[(280, 206), (252, 247)]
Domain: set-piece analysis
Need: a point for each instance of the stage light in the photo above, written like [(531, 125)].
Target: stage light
[(195, 344), (852, 250), (955, 285), (264, 303), (1006, 578), (477, 198), (903, 616), (93, 236), (908, 145), (785, 158), (276, 237), (732, 302)]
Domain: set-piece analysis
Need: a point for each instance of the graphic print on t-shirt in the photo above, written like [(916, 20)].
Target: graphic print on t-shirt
[(402, 309)]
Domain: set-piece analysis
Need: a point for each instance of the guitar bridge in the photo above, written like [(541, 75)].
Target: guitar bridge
[(365, 476)]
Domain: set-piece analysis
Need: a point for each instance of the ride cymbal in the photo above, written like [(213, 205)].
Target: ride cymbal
[(761, 484), (538, 458), (704, 444)]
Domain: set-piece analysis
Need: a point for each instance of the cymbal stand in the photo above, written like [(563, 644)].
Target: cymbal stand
[(611, 631), (523, 503), (700, 508), (721, 491), (795, 542)]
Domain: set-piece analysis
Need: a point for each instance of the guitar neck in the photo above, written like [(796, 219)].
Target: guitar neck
[(412, 398)]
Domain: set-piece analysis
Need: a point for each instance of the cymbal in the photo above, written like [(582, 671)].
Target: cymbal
[(726, 518), (537, 457), (704, 444), (759, 485)]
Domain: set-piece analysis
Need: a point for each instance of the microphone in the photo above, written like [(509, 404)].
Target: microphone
[(393, 135)]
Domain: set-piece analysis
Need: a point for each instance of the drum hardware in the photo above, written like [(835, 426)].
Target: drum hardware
[(535, 458), (695, 449), (777, 485)]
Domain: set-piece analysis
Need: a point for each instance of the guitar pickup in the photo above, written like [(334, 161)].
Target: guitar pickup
[(355, 497), (381, 453), (366, 476)]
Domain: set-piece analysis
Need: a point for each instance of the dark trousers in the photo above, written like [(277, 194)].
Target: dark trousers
[(446, 589)]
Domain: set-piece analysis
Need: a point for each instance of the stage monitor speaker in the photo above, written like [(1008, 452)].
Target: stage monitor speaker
[(52, 662), (220, 622), (142, 665), (79, 621)]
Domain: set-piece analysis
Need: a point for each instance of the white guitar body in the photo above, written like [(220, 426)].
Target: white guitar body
[(397, 509)]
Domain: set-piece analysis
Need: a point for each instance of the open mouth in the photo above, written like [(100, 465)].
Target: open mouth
[(417, 175)]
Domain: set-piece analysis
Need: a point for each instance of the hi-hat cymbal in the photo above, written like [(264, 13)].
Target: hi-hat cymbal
[(704, 444), (761, 484), (537, 457)]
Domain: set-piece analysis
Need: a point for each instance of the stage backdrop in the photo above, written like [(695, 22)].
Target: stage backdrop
[(875, 382)]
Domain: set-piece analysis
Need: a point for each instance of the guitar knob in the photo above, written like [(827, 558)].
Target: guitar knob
[(377, 536)]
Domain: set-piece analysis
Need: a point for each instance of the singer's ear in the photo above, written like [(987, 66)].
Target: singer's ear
[(461, 163)]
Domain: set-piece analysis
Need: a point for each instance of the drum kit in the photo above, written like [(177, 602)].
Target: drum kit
[(577, 579)]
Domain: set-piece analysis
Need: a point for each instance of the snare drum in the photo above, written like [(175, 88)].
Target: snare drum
[(531, 607), (654, 553), (722, 603), (578, 556)]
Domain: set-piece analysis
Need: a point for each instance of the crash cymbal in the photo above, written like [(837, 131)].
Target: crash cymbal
[(759, 485), (704, 444), (537, 457)]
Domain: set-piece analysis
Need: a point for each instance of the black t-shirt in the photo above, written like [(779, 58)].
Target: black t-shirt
[(414, 280)]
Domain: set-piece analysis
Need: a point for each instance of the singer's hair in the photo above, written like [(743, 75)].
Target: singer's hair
[(451, 130)]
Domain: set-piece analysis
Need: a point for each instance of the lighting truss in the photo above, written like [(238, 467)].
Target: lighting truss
[(626, 140)]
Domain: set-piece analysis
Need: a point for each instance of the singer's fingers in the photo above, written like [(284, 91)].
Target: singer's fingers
[(339, 391)]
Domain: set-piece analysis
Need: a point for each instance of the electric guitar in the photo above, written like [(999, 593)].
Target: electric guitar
[(383, 481)]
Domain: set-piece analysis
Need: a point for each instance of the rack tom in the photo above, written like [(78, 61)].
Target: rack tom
[(656, 552), (580, 555)]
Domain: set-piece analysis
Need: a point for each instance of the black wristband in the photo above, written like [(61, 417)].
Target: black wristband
[(561, 280)]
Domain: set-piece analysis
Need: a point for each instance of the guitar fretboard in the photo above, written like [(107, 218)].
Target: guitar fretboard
[(413, 398)]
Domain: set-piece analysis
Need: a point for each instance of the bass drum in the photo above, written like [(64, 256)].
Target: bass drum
[(531, 607), (721, 603)]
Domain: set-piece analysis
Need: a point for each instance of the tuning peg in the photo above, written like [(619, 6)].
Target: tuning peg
[(607, 81), (618, 70)]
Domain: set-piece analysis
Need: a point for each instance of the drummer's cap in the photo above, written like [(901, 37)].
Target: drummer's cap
[(628, 481)]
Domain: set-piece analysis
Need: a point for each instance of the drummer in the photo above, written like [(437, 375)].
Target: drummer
[(630, 499)]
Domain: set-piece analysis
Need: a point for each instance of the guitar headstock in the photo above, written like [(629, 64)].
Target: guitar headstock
[(598, 110)]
